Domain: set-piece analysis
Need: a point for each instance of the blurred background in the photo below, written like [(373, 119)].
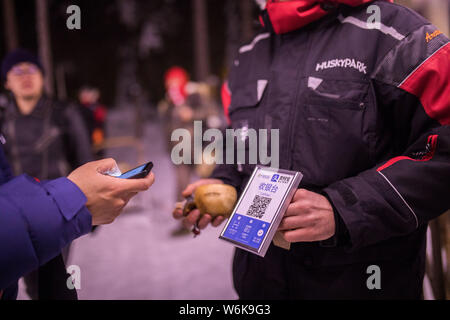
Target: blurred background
[(116, 67)]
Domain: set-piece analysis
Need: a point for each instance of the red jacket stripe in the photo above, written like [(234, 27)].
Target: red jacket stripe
[(429, 82), (432, 141)]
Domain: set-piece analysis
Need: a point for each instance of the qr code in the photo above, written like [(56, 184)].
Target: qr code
[(258, 207)]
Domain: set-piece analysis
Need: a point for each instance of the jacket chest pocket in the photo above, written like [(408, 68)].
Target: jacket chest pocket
[(337, 122)]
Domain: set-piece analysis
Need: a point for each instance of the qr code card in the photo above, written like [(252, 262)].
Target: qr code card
[(260, 208)]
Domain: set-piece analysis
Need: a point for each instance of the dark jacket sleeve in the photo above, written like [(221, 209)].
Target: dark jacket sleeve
[(79, 141), (404, 192), (37, 220), (5, 170), (227, 172)]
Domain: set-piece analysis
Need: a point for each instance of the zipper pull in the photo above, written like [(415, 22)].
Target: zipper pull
[(2, 139)]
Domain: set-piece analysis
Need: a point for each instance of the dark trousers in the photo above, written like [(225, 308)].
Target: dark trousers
[(297, 274), (49, 282)]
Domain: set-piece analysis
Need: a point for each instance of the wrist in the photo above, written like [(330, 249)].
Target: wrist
[(341, 235)]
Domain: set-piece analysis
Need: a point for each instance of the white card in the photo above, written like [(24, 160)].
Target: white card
[(260, 209)]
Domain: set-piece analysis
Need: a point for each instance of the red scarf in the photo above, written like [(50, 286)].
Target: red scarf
[(287, 16)]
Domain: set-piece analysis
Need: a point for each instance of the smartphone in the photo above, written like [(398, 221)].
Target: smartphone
[(139, 172)]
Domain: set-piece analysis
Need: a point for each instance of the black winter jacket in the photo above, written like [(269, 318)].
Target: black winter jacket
[(364, 114), (48, 143)]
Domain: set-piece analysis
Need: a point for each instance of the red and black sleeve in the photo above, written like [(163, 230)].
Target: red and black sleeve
[(402, 193)]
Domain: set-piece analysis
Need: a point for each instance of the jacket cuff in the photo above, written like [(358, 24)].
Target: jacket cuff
[(227, 174), (68, 197), (341, 236)]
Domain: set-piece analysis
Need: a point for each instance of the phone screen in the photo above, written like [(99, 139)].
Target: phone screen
[(136, 171)]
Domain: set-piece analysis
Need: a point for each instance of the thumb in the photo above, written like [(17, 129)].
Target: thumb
[(107, 166), (189, 190)]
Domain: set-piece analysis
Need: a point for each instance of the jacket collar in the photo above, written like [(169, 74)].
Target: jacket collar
[(287, 16), (38, 112)]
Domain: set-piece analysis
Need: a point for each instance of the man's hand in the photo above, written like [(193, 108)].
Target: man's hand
[(194, 216), (308, 218), (106, 196)]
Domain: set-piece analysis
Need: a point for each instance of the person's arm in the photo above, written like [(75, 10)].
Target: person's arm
[(400, 194), (37, 220), (227, 172)]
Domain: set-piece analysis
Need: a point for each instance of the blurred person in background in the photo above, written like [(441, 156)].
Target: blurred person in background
[(94, 114), (45, 139), (186, 102)]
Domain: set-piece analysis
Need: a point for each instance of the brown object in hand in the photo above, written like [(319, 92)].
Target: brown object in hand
[(279, 241), (213, 199)]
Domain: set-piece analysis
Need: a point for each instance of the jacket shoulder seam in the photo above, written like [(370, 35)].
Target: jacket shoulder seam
[(396, 45)]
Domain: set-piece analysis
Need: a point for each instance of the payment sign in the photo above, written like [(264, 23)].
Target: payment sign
[(260, 208)]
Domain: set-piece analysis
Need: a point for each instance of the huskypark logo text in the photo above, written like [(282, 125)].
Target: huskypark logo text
[(342, 63), (244, 139)]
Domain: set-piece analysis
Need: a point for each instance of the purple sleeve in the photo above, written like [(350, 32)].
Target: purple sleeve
[(37, 220)]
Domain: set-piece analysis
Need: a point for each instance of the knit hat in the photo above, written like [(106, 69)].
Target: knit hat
[(18, 56)]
